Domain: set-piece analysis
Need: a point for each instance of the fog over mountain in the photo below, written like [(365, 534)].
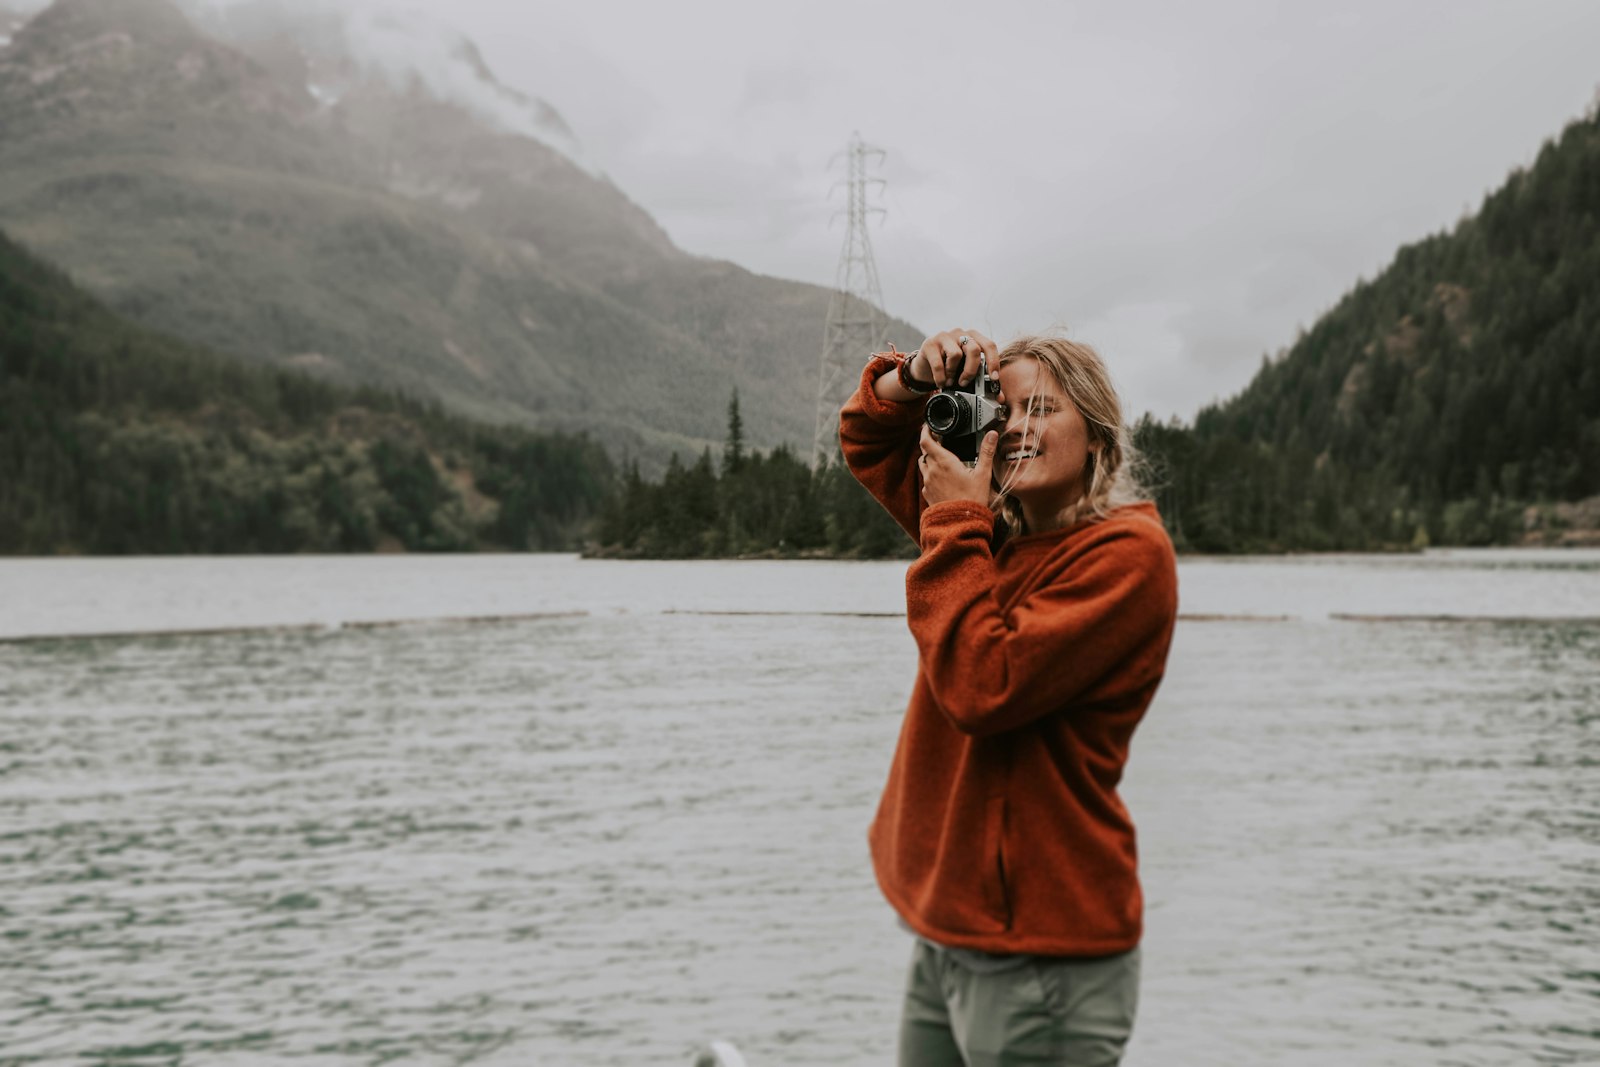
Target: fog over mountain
[(334, 47), (330, 47), (275, 191), (1184, 184)]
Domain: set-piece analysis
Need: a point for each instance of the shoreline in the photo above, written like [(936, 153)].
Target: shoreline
[(333, 628), (1585, 544)]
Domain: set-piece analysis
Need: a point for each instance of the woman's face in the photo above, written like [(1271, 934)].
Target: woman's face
[(1045, 443)]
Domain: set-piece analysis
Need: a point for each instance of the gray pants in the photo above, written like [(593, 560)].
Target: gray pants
[(1063, 1012)]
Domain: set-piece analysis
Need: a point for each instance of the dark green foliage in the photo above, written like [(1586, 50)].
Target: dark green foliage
[(415, 503), (116, 440), (768, 504), (733, 449), (1434, 404)]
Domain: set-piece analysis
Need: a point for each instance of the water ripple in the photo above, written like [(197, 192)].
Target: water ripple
[(600, 840)]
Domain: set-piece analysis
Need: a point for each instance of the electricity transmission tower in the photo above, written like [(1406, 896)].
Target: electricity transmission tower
[(856, 325)]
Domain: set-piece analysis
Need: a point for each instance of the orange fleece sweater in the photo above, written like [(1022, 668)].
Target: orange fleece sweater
[(1000, 828)]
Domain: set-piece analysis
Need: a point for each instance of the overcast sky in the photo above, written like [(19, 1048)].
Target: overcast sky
[(1181, 184)]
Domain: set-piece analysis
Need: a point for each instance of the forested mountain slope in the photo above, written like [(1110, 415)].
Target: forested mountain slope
[(365, 229), (114, 439), (1453, 399)]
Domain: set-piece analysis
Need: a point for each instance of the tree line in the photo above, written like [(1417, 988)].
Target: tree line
[(746, 503), (117, 440), (1452, 400)]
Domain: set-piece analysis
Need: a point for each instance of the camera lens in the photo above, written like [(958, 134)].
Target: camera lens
[(945, 412)]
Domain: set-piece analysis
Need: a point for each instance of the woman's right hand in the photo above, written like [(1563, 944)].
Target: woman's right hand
[(951, 357)]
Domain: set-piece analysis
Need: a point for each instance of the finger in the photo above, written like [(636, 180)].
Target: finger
[(986, 450), (954, 357), (971, 357), (990, 349), (932, 352), (931, 446)]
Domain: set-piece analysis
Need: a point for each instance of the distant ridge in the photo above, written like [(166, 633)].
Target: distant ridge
[(1453, 399)]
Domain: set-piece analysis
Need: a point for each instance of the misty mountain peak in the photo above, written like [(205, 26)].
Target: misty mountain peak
[(336, 51), (75, 24), (10, 23), (389, 233), (83, 57)]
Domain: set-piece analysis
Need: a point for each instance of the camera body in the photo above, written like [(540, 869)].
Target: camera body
[(962, 416)]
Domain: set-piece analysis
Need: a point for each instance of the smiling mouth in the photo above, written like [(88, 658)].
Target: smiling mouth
[(1021, 453)]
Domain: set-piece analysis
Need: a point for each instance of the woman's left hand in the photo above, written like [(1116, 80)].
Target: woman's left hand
[(946, 477)]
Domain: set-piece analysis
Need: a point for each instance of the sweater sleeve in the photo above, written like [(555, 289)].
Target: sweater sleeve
[(1098, 628), (879, 441)]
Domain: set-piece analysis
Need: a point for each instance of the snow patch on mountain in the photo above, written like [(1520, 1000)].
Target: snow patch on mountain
[(322, 94), (344, 42), (10, 22)]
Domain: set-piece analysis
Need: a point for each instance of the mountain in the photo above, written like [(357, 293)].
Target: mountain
[(330, 50), (1454, 398), (288, 198), (95, 61), (10, 23), (115, 439)]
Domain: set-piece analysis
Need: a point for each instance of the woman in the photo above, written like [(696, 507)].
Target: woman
[(1042, 605)]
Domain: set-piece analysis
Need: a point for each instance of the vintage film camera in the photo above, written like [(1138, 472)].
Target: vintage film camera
[(962, 416)]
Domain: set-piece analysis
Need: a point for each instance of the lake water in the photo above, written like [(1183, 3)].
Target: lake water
[(618, 820)]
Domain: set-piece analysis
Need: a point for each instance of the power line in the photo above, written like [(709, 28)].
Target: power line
[(856, 323)]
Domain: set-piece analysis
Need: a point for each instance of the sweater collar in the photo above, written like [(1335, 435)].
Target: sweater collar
[(1143, 508)]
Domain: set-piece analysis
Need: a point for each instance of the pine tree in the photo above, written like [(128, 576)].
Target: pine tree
[(733, 448)]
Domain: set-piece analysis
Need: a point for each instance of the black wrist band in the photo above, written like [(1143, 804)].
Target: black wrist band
[(911, 384)]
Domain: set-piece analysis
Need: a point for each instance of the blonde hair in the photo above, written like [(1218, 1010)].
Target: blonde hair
[(1111, 478)]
